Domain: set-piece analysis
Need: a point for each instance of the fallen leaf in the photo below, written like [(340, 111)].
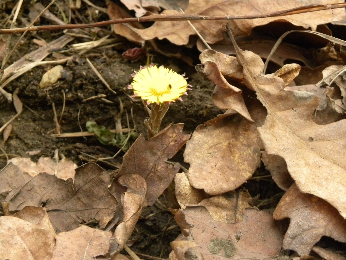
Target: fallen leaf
[(27, 235), (141, 7), (114, 11), (278, 169), (328, 254), (184, 249), (148, 158), (18, 105), (63, 169), (227, 65), (178, 32), (311, 218), (222, 154), (185, 194), (7, 132), (311, 151), (132, 202), (261, 47), (288, 72), (225, 96), (229, 207), (82, 243), (257, 236), (12, 178), (68, 203)]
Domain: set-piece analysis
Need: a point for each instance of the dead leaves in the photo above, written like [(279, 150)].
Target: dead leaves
[(223, 154), (89, 196), (178, 32), (300, 154), (148, 158), (256, 236), (314, 216)]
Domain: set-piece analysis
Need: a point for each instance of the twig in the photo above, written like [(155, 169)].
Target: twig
[(181, 17), (82, 134)]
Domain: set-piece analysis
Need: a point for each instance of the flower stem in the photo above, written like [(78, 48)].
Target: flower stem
[(156, 114)]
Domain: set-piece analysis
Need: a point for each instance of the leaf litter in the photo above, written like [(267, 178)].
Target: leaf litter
[(284, 127)]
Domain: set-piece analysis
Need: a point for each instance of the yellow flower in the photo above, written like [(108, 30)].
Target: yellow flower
[(158, 84)]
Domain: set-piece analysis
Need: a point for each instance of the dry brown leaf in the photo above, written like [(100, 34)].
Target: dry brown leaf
[(222, 154), (27, 235), (261, 47), (184, 249), (311, 151), (328, 254), (311, 218), (229, 207), (63, 169), (114, 11), (18, 105), (148, 158), (185, 194), (288, 72), (12, 178), (7, 132), (68, 203), (257, 236), (225, 96), (82, 243), (278, 169), (178, 32), (227, 65), (141, 7), (132, 202)]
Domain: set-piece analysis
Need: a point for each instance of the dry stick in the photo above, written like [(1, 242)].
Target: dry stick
[(181, 17)]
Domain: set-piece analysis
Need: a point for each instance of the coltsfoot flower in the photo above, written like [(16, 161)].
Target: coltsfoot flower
[(158, 84)]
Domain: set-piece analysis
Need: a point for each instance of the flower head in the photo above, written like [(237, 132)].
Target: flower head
[(158, 84)]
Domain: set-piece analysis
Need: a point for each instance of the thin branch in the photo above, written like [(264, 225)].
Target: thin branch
[(180, 17)]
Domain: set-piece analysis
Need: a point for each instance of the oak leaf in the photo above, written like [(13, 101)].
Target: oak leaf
[(311, 218)]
